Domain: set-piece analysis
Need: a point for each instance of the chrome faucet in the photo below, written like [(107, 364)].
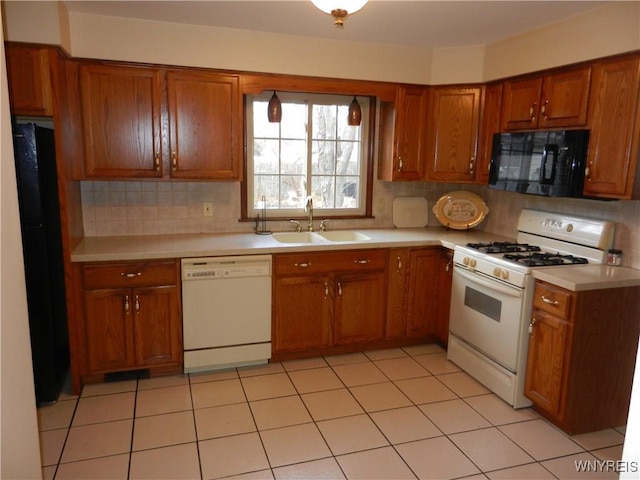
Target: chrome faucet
[(309, 209)]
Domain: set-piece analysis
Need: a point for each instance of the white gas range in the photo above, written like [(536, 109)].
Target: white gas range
[(492, 294)]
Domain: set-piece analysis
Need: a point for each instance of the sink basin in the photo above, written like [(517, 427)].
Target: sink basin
[(344, 236), (298, 237)]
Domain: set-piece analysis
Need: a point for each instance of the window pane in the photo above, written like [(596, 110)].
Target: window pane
[(347, 192), (294, 120), (268, 186), (293, 191), (323, 191), (324, 121), (261, 125), (349, 158), (294, 156), (323, 158), (266, 157)]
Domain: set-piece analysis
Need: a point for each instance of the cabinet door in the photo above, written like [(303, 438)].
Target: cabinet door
[(614, 121), (121, 121), (443, 297), (29, 80), (402, 133), (109, 326), (205, 112), (489, 126), (520, 104), (546, 361), (452, 134), (423, 287), (397, 292), (302, 313), (564, 99), (359, 307), (157, 324)]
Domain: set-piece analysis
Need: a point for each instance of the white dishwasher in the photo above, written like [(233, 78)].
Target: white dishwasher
[(226, 311)]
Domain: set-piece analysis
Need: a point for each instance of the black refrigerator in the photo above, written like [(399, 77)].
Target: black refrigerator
[(43, 262)]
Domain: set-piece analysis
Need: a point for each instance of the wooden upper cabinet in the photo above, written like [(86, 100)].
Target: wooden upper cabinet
[(205, 123), (489, 126), (402, 130), (614, 121), (29, 79), (452, 133), (121, 115), (553, 101)]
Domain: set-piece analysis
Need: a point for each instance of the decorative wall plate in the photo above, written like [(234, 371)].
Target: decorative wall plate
[(460, 210)]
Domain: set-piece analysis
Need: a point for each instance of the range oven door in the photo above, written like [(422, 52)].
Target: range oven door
[(487, 314)]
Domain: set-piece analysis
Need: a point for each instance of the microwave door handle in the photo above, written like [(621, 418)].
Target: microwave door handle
[(544, 178)]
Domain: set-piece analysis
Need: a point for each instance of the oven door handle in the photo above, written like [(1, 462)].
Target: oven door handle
[(476, 278)]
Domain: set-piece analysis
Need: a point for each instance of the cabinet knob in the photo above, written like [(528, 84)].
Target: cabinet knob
[(400, 164), (174, 160), (156, 161)]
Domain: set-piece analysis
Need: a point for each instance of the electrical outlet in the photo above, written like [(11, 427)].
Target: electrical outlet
[(207, 209)]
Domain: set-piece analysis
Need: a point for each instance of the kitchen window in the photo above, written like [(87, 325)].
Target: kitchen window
[(311, 152)]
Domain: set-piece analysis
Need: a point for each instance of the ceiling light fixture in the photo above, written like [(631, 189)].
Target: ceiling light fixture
[(274, 110), (339, 9)]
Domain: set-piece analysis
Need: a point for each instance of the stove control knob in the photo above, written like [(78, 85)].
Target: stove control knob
[(496, 272), (465, 260), (472, 263), (505, 274)]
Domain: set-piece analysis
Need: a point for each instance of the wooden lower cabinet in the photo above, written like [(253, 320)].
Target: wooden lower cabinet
[(323, 300), (581, 358), (418, 293), (132, 316)]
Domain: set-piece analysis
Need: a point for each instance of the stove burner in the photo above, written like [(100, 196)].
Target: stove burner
[(544, 259), (503, 247)]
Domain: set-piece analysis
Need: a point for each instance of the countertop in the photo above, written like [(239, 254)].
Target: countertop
[(148, 247), (151, 247), (588, 277)]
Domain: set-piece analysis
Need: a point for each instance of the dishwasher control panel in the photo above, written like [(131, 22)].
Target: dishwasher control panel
[(225, 267)]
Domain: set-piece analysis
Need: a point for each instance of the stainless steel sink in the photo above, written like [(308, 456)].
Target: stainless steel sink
[(344, 236)]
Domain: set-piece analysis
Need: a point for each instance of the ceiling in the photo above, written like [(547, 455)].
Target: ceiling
[(431, 23)]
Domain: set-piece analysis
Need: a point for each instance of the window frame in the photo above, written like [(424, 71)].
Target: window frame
[(368, 144)]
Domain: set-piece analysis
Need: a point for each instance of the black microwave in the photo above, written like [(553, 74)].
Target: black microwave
[(549, 163)]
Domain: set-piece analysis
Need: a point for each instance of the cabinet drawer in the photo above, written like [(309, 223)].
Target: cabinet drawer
[(329, 262), (552, 300), (134, 274)]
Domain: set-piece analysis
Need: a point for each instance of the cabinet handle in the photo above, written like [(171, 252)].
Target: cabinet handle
[(174, 160), (130, 275), (156, 161), (399, 264), (472, 161), (532, 111), (400, 164), (339, 289), (326, 290), (137, 303), (448, 266), (531, 325), (302, 265), (362, 261), (549, 301), (543, 109), (126, 304)]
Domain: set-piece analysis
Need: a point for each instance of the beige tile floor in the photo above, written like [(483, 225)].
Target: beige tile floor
[(386, 414)]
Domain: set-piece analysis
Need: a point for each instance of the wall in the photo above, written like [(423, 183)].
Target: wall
[(20, 456)]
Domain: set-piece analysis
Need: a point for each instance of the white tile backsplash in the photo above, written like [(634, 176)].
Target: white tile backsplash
[(157, 207)]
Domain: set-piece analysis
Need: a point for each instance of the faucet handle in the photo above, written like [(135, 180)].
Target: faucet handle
[(298, 227), (323, 224)]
